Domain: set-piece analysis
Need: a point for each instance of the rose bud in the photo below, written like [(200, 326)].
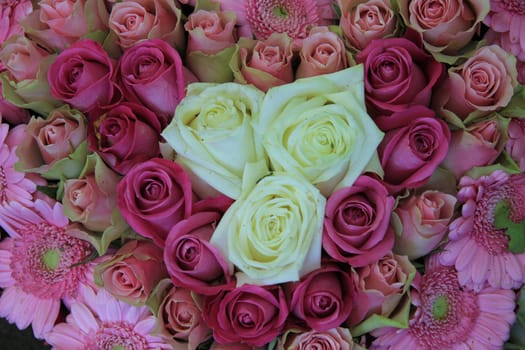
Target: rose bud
[(477, 145), (363, 21), (322, 52), (335, 338), (421, 222), (515, 145), (133, 272)]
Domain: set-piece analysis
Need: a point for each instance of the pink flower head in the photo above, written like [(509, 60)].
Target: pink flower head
[(40, 265), (478, 250), (99, 321), (11, 13), (448, 316)]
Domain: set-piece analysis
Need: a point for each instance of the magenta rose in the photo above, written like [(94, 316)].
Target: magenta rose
[(151, 73), (132, 272), (153, 196), (249, 314), (356, 225), (410, 153), (126, 135), (323, 298), (515, 145), (398, 74), (81, 76), (191, 260)]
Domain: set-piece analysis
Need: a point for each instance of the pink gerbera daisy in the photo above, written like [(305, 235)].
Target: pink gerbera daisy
[(14, 186), (449, 316), (40, 265), (99, 321), (478, 250)]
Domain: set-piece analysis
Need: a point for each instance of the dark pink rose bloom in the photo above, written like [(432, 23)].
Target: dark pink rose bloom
[(153, 196), (515, 145), (11, 13), (398, 74), (323, 298), (125, 135), (249, 314), (356, 225), (81, 76), (151, 73), (191, 260), (410, 153)]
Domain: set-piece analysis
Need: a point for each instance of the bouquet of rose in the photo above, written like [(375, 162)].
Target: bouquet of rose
[(285, 174)]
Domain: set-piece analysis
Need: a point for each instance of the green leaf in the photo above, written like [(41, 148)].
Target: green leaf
[(515, 230)]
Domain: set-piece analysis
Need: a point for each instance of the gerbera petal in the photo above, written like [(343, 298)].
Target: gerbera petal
[(45, 317)]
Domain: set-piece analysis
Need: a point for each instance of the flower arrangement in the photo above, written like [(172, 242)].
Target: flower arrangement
[(273, 174)]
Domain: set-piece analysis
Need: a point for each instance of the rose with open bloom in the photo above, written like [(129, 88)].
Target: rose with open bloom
[(21, 57), (11, 13), (210, 31), (335, 338)]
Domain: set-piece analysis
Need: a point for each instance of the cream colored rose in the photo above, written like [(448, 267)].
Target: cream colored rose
[(213, 136), (318, 128), (272, 234)]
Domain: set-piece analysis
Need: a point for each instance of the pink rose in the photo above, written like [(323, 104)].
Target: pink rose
[(191, 260), (11, 13), (444, 26), (356, 225), (21, 57), (381, 286), (322, 52), (363, 21), (410, 153), (422, 222), (477, 145), (515, 145), (266, 63), (323, 298), (135, 20), (336, 338), (81, 76), (54, 139), (91, 198), (398, 74), (126, 135), (181, 318), (133, 272), (209, 31), (483, 84), (153, 196), (250, 314), (151, 73)]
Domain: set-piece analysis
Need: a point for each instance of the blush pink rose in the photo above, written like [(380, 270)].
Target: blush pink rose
[(133, 271), (398, 74), (336, 338), (515, 145), (21, 57), (153, 196), (323, 298), (249, 314), (322, 52), (135, 20), (209, 31), (423, 222), (82, 76), (478, 145), (363, 21), (151, 73), (381, 286), (191, 260), (410, 153), (126, 135), (11, 13), (356, 225)]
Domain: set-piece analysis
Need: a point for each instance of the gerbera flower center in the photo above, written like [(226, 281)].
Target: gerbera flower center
[(51, 259), (440, 307), (517, 6), (118, 336)]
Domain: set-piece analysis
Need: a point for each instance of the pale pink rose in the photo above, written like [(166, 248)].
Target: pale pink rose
[(422, 222), (209, 31), (483, 84), (477, 145), (21, 57), (133, 272), (11, 13), (515, 145), (266, 63), (363, 21), (322, 52), (381, 287), (445, 26), (336, 338), (136, 20)]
